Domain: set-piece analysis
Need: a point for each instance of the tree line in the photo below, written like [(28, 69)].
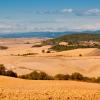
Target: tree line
[(39, 75)]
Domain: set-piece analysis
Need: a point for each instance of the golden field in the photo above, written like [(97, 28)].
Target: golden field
[(18, 89), (65, 62)]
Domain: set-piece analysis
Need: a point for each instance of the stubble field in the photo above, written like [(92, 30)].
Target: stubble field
[(18, 89)]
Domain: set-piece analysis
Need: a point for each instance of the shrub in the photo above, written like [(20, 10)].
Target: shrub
[(48, 51), (37, 45), (59, 77), (67, 77), (87, 79), (3, 47), (44, 76), (80, 55), (62, 77), (5, 72), (26, 54), (35, 75), (98, 80), (43, 51), (2, 69), (77, 76), (92, 79), (11, 73), (27, 42)]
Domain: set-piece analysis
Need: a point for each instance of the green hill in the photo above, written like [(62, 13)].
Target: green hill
[(78, 37), (74, 41), (74, 38)]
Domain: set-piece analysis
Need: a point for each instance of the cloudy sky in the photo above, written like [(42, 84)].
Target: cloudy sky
[(49, 15)]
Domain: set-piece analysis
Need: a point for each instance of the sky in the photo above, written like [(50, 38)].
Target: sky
[(49, 15)]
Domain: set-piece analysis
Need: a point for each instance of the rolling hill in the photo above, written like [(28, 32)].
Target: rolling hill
[(78, 37), (18, 89)]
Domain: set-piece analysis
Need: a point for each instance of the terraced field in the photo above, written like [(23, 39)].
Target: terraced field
[(18, 89)]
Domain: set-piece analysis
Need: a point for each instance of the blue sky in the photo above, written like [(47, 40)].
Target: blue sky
[(49, 15)]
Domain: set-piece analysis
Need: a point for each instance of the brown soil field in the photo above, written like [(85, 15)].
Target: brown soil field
[(19, 89)]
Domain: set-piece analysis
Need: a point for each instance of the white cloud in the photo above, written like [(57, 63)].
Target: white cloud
[(31, 26), (90, 27), (93, 12), (67, 10), (80, 12), (64, 11), (53, 23), (12, 27), (88, 12)]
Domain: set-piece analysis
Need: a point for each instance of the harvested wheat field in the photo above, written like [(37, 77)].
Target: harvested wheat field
[(18, 89), (62, 62)]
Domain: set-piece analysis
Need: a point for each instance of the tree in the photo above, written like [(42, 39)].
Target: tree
[(43, 51), (77, 76), (2, 69), (44, 76), (48, 51), (34, 75), (98, 80), (80, 55), (11, 73), (62, 77)]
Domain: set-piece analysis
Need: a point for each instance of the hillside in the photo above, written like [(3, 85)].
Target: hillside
[(34, 34), (18, 89), (74, 38), (74, 41), (63, 62), (78, 52), (78, 37)]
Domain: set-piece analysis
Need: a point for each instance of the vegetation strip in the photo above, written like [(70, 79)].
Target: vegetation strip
[(39, 75)]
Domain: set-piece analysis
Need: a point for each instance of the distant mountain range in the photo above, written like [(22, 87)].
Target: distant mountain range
[(42, 34)]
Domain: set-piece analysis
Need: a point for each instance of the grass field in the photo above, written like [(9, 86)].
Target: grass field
[(18, 89)]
